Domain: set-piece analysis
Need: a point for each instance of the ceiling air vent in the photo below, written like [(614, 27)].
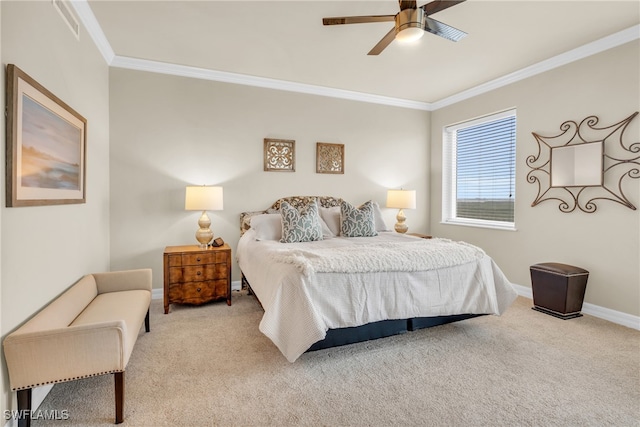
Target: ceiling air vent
[(63, 9)]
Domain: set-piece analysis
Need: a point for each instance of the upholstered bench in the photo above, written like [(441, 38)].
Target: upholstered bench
[(88, 330)]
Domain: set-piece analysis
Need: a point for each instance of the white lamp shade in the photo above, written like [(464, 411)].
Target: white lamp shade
[(401, 199), (203, 198)]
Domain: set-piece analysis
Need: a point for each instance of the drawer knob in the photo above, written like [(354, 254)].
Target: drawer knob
[(198, 259), (199, 273), (199, 289)]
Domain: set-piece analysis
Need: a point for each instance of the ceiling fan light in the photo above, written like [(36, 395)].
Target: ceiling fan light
[(409, 25), (409, 34)]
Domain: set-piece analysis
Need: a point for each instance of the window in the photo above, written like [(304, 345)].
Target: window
[(479, 171)]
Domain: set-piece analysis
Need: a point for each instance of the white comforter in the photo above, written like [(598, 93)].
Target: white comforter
[(309, 288)]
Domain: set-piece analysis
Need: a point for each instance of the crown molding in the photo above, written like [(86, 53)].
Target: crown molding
[(263, 82), (605, 43), (92, 26)]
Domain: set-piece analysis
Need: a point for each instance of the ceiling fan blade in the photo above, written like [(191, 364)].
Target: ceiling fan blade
[(408, 4), (438, 5), (339, 20), (382, 44), (443, 30)]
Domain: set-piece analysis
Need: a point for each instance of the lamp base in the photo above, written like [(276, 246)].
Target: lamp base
[(204, 234), (400, 226)]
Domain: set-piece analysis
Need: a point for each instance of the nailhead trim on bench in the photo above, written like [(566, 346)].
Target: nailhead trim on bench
[(65, 380)]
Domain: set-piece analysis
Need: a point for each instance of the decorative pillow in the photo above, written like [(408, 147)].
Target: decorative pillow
[(300, 226), (357, 222), (267, 226), (331, 217), (379, 220)]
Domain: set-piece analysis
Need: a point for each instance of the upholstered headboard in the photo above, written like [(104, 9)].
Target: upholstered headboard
[(296, 201)]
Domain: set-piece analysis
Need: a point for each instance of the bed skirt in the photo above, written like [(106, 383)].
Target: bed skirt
[(382, 329)]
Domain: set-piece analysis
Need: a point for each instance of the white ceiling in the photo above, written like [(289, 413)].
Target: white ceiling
[(286, 41)]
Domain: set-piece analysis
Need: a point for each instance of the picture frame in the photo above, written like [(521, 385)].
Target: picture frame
[(329, 158), (45, 146), (279, 155)]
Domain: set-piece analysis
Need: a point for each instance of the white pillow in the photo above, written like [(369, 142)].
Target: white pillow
[(331, 218), (267, 226), (377, 217), (326, 231)]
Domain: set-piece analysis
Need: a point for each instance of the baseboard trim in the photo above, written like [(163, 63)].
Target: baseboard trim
[(614, 316)]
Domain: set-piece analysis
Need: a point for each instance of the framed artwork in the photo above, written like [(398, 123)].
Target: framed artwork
[(45, 146), (329, 158), (279, 155)]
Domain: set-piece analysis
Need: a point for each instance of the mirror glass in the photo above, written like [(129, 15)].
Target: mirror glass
[(577, 165)]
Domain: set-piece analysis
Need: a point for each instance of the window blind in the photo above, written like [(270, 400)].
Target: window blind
[(485, 170), (478, 171)]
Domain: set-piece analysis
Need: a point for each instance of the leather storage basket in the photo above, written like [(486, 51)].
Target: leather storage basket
[(558, 289)]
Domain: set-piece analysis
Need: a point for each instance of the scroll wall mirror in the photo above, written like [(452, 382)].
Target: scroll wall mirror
[(584, 163)]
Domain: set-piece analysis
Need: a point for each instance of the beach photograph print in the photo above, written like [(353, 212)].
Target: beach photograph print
[(47, 147), (50, 149)]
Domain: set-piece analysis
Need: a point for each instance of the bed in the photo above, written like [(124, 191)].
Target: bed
[(331, 285)]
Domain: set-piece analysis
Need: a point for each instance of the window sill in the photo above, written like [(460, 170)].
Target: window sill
[(480, 224)]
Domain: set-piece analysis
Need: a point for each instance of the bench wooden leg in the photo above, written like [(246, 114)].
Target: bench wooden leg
[(146, 322), (119, 382), (24, 408)]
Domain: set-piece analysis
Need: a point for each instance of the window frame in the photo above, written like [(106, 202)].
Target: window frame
[(449, 173)]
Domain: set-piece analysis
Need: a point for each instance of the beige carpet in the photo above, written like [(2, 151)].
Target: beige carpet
[(210, 366)]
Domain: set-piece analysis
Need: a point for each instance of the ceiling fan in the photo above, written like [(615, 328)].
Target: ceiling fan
[(411, 23)]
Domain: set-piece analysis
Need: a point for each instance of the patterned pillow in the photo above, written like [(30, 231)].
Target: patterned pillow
[(357, 222), (300, 226)]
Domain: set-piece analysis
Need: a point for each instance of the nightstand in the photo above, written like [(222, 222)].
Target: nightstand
[(424, 236), (193, 275)]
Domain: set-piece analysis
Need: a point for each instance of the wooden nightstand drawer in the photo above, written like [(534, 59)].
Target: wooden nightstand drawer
[(198, 259), (198, 292), (197, 273), (193, 275)]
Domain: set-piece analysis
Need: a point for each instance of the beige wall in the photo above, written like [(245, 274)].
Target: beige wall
[(45, 249), (168, 132), (605, 242)]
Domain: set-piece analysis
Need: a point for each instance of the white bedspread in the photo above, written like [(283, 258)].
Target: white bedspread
[(309, 288), (364, 255)]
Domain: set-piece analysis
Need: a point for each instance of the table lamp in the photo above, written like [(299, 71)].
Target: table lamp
[(203, 198), (401, 199)]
